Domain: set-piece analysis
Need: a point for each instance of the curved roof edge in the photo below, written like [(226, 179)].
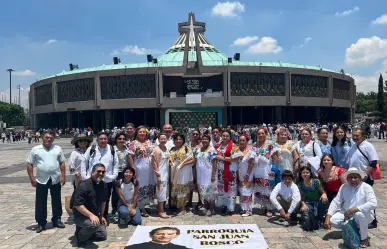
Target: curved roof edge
[(180, 63)]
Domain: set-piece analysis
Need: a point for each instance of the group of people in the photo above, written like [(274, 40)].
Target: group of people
[(309, 176)]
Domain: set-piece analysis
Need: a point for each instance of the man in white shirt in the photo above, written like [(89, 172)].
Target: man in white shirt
[(50, 166), (286, 197), (167, 129), (105, 154), (355, 198), (362, 155)]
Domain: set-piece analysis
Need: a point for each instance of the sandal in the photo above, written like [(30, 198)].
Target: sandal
[(164, 215), (365, 243), (246, 214), (269, 214)]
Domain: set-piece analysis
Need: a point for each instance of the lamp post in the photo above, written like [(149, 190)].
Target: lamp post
[(10, 70)]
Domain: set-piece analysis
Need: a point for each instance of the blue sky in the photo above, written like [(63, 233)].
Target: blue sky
[(41, 37)]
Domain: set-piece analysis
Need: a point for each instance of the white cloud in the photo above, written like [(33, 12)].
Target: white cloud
[(51, 41), (265, 45), (369, 83), (306, 41), (130, 49), (228, 9), (243, 41), (348, 12), (26, 72), (366, 83), (380, 20), (366, 51)]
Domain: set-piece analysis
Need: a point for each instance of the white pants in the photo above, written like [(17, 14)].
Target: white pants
[(362, 220)]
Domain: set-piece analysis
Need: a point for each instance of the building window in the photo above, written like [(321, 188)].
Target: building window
[(43, 95), (341, 89), (257, 84), (75, 90), (128, 86), (309, 86)]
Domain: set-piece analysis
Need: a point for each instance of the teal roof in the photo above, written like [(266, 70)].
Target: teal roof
[(176, 60)]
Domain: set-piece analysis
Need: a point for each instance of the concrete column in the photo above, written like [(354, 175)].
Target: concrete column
[(287, 87), (107, 119), (162, 117), (225, 86), (35, 124), (157, 87), (228, 87), (160, 87), (54, 95), (97, 90), (330, 90)]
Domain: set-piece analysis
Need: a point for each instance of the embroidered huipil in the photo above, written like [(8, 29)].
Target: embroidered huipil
[(144, 171), (285, 156), (204, 159)]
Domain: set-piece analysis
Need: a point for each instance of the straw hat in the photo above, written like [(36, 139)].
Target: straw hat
[(81, 137), (354, 171)]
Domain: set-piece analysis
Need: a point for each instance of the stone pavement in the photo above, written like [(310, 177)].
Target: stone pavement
[(17, 201)]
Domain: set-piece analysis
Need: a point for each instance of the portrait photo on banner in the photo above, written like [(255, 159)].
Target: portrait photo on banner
[(236, 236)]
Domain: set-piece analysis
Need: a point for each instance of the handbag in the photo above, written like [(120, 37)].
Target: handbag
[(351, 234), (376, 172)]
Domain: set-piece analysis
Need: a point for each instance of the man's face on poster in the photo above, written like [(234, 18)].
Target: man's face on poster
[(164, 236)]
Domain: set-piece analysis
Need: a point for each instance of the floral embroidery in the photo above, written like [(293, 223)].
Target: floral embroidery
[(266, 149), (205, 155), (181, 154), (139, 150)]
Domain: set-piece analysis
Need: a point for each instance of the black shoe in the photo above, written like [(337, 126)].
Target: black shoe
[(58, 224), (40, 228), (373, 224)]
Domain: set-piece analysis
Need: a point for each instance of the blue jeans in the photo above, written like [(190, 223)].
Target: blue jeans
[(124, 215), (317, 208)]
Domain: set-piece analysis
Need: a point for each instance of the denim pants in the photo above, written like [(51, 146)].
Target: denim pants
[(317, 208), (124, 215), (41, 202)]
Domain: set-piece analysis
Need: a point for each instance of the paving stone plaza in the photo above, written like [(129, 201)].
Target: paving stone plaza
[(17, 204)]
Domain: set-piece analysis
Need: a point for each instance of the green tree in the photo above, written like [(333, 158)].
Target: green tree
[(380, 97), (12, 114)]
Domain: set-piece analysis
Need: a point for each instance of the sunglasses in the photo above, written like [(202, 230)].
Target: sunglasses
[(121, 139), (100, 171)]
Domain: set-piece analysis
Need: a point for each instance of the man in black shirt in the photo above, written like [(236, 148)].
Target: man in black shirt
[(89, 202), (161, 239)]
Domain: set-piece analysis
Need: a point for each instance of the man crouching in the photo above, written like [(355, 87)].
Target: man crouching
[(89, 202)]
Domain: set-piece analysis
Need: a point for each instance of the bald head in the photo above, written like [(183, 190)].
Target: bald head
[(167, 129)]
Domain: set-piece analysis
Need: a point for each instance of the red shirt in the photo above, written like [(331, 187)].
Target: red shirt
[(333, 182)]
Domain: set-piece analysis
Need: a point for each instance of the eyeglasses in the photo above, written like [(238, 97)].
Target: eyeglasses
[(121, 139), (100, 171)]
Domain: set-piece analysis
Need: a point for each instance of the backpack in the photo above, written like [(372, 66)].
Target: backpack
[(92, 154), (308, 221)]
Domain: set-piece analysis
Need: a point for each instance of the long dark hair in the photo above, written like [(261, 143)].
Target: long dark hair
[(335, 140), (308, 168), (322, 160)]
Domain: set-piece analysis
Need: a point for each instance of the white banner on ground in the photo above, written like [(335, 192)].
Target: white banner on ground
[(236, 236)]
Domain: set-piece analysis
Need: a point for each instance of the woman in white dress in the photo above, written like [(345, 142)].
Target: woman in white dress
[(140, 151), (266, 156), (307, 150), (228, 156), (286, 154), (245, 169), (160, 162), (81, 143), (206, 168), (181, 161)]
